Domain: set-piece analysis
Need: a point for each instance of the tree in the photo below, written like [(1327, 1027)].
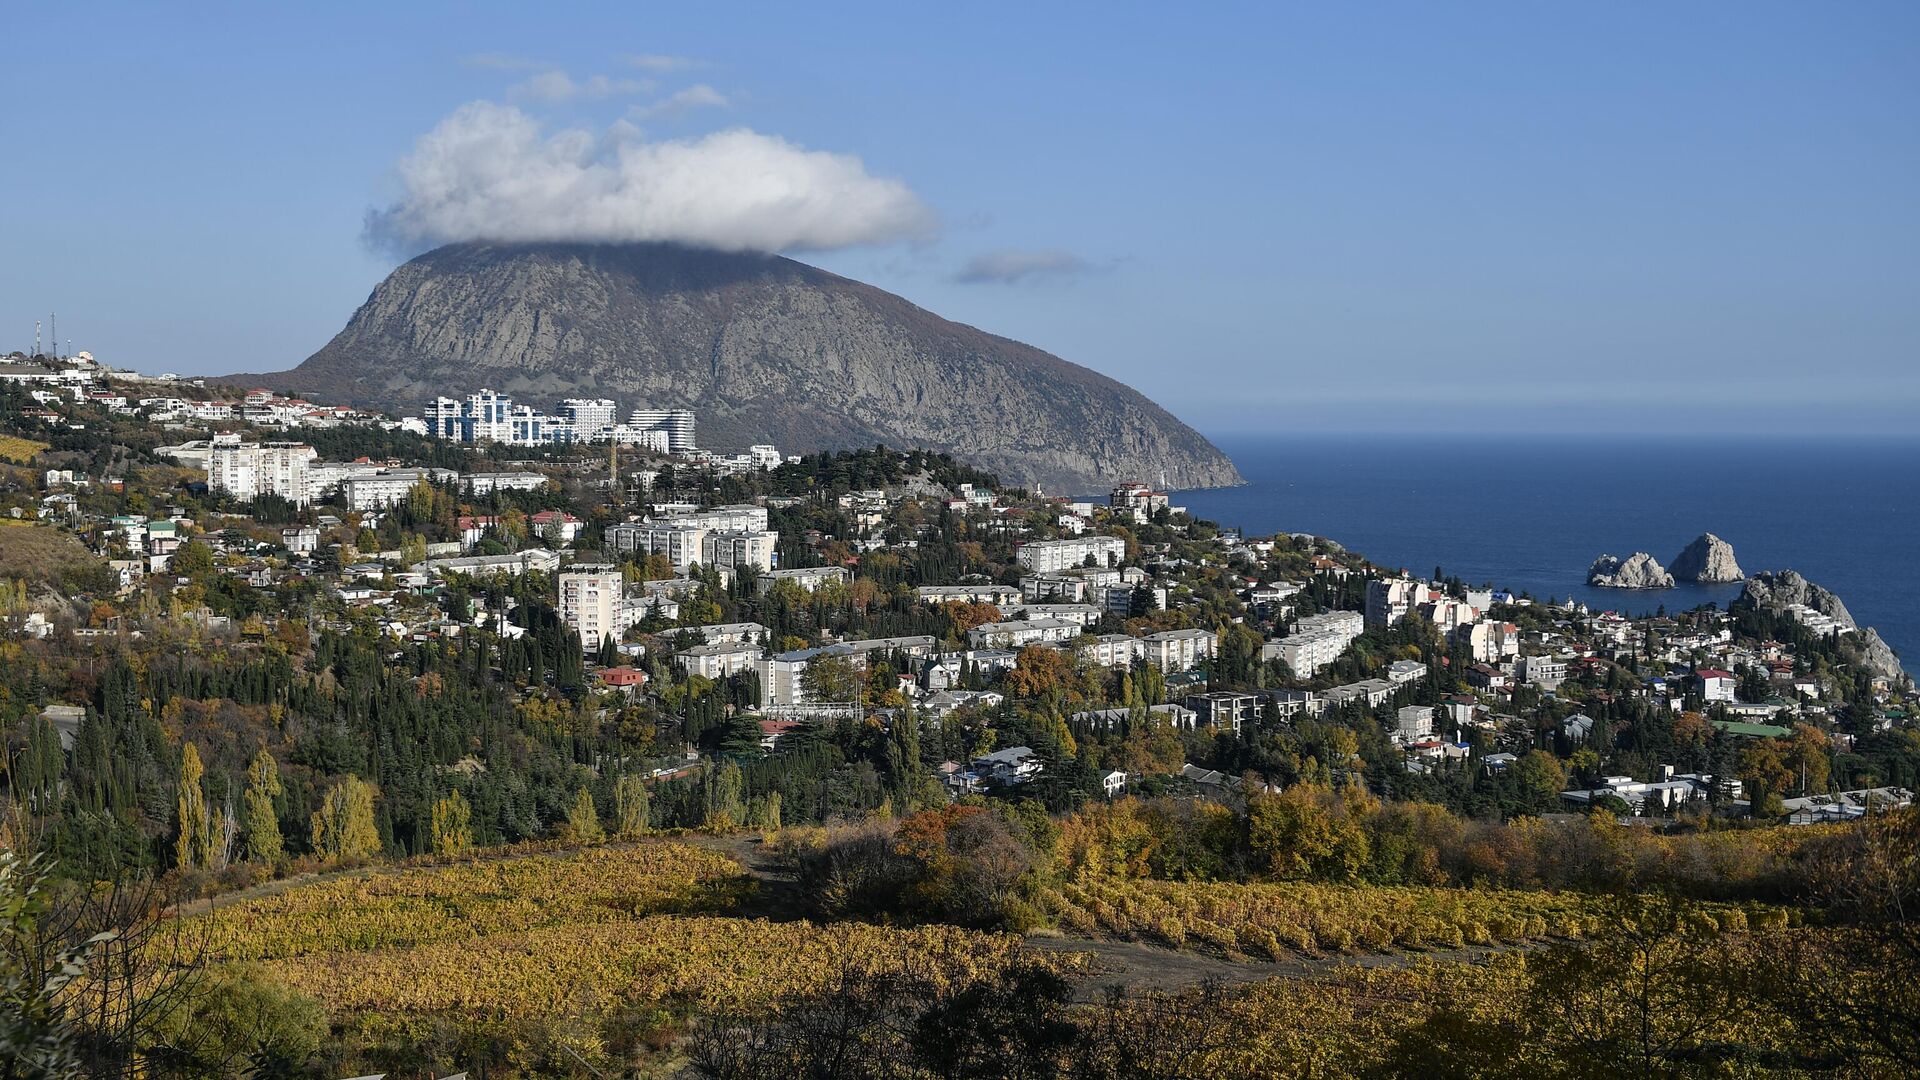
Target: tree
[(452, 824), (193, 848), (631, 807), (343, 827), (1540, 779), (37, 1036), (583, 821), (830, 679), (264, 843)]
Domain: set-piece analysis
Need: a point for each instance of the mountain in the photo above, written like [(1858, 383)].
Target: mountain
[(762, 348)]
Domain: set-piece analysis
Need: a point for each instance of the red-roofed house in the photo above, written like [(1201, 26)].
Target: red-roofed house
[(556, 525), (623, 678), (1715, 685)]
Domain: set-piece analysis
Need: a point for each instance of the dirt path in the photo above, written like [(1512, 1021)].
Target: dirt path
[(1135, 966)]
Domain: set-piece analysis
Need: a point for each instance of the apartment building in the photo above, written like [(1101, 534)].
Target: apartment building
[(593, 602), (1177, 650), (1051, 556)]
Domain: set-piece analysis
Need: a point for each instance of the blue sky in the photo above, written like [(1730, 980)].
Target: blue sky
[(1420, 217)]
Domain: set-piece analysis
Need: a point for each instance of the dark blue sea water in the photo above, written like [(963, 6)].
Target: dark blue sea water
[(1532, 513)]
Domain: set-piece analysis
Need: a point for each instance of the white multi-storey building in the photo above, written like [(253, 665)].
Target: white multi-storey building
[(728, 549), (368, 490), (250, 470), (1389, 600), (1177, 650), (680, 543), (677, 423), (1316, 641), (1050, 556), (591, 419), (593, 602), (720, 659)]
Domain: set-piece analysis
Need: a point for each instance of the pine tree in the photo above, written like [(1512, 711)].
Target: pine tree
[(264, 844), (452, 825)]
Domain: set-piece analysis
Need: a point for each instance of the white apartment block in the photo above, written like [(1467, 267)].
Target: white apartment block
[(1019, 633), (250, 470), (368, 490), (997, 595), (681, 544), (677, 424), (1050, 556), (729, 550), (593, 602), (1389, 600), (1177, 650), (806, 578), (1448, 615), (1316, 641), (591, 419), (719, 660), (1414, 722), (1491, 642), (1111, 650)]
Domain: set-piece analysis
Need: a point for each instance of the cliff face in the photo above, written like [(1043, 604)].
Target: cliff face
[(1637, 571), (1708, 560), (1779, 591), (763, 349)]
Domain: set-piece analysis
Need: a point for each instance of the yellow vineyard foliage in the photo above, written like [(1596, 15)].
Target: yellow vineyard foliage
[(581, 970), (462, 902), (1280, 920), (570, 934)]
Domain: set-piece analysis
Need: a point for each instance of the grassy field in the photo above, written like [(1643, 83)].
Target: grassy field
[(39, 552), (15, 448)]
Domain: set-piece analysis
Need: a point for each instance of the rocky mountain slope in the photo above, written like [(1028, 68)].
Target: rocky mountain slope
[(1786, 589), (763, 348), (1637, 571), (1708, 560)]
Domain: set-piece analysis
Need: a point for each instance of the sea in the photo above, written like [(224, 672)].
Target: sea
[(1531, 513)]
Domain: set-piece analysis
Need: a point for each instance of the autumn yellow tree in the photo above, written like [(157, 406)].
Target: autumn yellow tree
[(631, 807), (194, 846), (583, 821), (343, 827), (264, 844), (452, 824)]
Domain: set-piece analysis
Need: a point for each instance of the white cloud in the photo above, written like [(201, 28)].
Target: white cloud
[(490, 172), (698, 96), (662, 64), (1009, 265), (555, 87)]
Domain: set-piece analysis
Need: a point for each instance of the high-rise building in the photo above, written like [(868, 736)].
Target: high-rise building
[(249, 470), (591, 419), (593, 602), (677, 423)]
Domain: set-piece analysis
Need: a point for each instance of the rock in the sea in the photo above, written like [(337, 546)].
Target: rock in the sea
[(1708, 560), (1637, 571), (1782, 590)]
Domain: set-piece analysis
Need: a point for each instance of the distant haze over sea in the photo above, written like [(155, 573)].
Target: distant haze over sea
[(1532, 512)]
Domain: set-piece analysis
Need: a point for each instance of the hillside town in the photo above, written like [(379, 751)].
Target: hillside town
[(1067, 648)]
